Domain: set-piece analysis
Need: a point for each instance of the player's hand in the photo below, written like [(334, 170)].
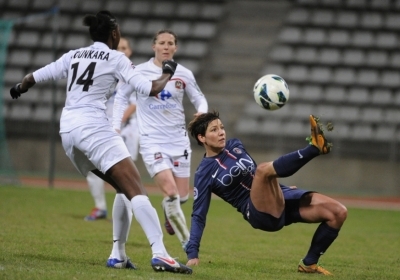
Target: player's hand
[(16, 91), (193, 262), (169, 67)]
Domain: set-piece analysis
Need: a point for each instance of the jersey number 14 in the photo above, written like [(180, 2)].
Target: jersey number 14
[(85, 79)]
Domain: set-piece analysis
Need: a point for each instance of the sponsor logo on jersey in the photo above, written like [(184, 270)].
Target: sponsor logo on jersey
[(237, 151), (176, 163), (195, 193), (162, 106), (157, 155), (164, 95)]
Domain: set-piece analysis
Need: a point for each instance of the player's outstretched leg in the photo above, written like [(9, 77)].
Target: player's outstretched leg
[(161, 264), (317, 136), (314, 268)]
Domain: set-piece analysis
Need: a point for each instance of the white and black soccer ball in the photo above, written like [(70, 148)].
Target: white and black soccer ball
[(271, 92)]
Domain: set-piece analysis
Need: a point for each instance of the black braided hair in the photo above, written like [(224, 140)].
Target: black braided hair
[(100, 25)]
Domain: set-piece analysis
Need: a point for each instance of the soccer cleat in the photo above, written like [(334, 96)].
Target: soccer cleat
[(168, 226), (161, 264), (96, 214), (116, 263), (317, 138), (314, 268)]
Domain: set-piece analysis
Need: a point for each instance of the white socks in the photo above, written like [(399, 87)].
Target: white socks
[(96, 186), (148, 219), (122, 218), (176, 218)]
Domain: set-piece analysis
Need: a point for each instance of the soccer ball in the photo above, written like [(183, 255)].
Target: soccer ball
[(271, 92)]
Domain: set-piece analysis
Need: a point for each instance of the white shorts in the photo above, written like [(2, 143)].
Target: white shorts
[(130, 134), (159, 157), (94, 146)]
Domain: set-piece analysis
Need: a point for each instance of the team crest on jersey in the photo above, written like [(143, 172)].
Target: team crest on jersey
[(157, 155), (195, 193), (178, 84), (237, 151)]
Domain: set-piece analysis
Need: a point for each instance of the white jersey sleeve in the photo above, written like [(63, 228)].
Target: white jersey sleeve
[(195, 95), (54, 71)]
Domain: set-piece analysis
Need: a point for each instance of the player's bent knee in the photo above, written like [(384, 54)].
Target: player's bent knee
[(265, 169)]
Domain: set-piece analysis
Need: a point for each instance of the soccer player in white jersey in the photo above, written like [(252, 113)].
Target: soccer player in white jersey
[(90, 141), (164, 143), (130, 134)]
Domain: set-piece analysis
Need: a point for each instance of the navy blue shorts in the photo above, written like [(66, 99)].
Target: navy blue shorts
[(266, 222)]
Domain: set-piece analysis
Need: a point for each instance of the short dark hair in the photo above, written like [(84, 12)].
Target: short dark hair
[(200, 123), (100, 25), (162, 31)]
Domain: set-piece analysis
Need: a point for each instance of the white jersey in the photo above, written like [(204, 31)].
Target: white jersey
[(92, 74), (161, 119), (110, 103)]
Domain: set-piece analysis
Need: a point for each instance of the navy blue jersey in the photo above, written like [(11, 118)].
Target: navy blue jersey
[(229, 175)]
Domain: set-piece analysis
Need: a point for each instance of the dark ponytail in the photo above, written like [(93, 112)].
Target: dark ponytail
[(100, 25)]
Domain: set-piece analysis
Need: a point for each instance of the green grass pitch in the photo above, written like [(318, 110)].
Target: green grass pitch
[(43, 236)]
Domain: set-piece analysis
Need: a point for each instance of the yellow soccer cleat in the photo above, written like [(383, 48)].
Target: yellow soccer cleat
[(317, 136), (314, 268)]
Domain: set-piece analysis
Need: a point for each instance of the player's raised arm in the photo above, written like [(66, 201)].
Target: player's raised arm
[(27, 82), (168, 70)]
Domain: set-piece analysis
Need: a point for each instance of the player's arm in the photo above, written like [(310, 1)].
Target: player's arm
[(128, 112), (120, 104), (196, 96), (53, 71), (27, 82), (201, 204)]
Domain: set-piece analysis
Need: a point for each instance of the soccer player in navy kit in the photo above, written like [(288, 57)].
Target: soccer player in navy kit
[(90, 141), (228, 171)]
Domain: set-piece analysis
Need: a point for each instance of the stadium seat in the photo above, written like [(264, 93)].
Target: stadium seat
[(353, 57), (299, 16), (385, 133), (20, 57), (344, 76), (142, 8), (323, 17), (20, 111), (291, 35), (338, 38), (335, 94), (191, 64), (326, 112), (356, 3), (42, 58), (371, 115), (295, 128), (362, 132), (311, 93), (152, 26), (392, 116), (195, 49), (315, 36), (188, 10), (75, 41), (347, 19), (296, 73), (164, 8), (395, 59), (385, 40), (116, 6), (181, 28), (367, 77), (358, 96), (320, 74), (363, 39), (90, 6), (247, 126), (381, 97), (377, 58), (204, 30), (132, 27), (371, 20), (28, 38), (69, 5), (348, 113), (392, 21), (329, 56), (390, 78), (42, 113), (270, 127), (306, 55), (13, 75), (211, 11)]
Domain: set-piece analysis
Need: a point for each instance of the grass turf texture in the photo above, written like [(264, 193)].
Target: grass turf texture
[(43, 236)]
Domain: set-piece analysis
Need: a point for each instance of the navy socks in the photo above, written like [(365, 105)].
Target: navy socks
[(289, 164), (322, 239)]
